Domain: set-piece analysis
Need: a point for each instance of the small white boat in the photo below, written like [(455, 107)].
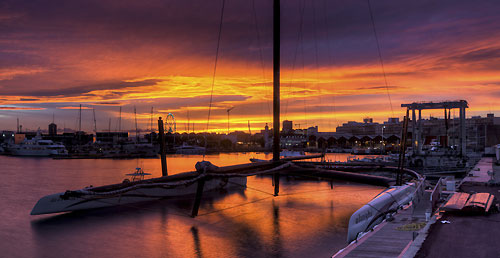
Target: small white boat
[(283, 154), (138, 174)]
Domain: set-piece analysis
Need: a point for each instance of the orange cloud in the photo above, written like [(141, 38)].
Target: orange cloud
[(73, 107), (20, 108), (453, 57)]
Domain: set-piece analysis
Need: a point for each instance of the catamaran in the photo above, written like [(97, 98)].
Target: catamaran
[(133, 191), (209, 177), (206, 177)]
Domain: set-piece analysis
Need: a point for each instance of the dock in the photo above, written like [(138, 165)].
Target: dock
[(479, 175), (471, 235), (410, 234), (392, 237)]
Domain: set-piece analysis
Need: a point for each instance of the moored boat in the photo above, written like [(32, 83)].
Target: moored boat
[(188, 149), (130, 192), (37, 147)]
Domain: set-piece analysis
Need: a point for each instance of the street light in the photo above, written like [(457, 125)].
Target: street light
[(228, 110), (383, 142)]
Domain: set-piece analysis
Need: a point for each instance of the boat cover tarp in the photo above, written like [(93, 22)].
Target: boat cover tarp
[(464, 202)]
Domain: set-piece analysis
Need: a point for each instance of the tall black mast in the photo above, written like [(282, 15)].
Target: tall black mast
[(276, 80), (276, 89)]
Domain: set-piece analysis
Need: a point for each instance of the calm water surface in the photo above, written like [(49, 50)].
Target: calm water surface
[(308, 219)]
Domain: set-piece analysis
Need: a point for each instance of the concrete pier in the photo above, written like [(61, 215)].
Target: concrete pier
[(410, 235), (471, 235)]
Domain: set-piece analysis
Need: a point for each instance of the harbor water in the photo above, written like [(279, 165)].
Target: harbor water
[(308, 219)]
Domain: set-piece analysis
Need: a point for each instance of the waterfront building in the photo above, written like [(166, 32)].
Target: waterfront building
[(293, 141), (312, 130), (287, 126), (368, 127), (52, 129), (111, 137)]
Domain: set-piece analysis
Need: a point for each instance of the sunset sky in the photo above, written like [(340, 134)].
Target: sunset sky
[(56, 55)]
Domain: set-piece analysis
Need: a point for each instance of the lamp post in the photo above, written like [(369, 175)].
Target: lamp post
[(383, 142), (228, 110)]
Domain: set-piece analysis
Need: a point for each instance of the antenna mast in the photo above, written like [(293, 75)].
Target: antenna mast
[(120, 120), (228, 119), (151, 120), (136, 131)]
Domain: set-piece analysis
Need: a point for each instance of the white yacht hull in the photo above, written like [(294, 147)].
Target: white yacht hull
[(35, 153), (55, 203)]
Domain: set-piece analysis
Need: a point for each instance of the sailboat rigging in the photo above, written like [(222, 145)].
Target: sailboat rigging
[(276, 90), (207, 176)]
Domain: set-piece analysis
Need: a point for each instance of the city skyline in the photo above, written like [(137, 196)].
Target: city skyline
[(58, 55), (183, 128)]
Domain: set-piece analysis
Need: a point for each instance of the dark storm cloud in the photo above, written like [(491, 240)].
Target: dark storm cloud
[(382, 87), (484, 59), (79, 90), (186, 103), (341, 26), (376, 75), (108, 103), (58, 48), (144, 105), (19, 108), (480, 55)]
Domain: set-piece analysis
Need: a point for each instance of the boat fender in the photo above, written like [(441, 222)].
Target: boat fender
[(205, 166)]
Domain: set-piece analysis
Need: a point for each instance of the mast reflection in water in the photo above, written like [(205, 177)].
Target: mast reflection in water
[(307, 219)]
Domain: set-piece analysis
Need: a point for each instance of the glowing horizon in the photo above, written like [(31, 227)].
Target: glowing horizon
[(54, 61)]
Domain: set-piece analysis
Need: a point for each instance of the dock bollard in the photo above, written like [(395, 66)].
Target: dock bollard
[(427, 215)]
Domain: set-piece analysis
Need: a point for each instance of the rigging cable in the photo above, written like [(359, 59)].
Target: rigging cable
[(262, 61), (215, 70), (318, 85), (329, 52), (299, 36), (380, 55), (304, 88)]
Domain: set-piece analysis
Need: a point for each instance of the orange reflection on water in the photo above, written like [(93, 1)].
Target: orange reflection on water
[(307, 218)]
